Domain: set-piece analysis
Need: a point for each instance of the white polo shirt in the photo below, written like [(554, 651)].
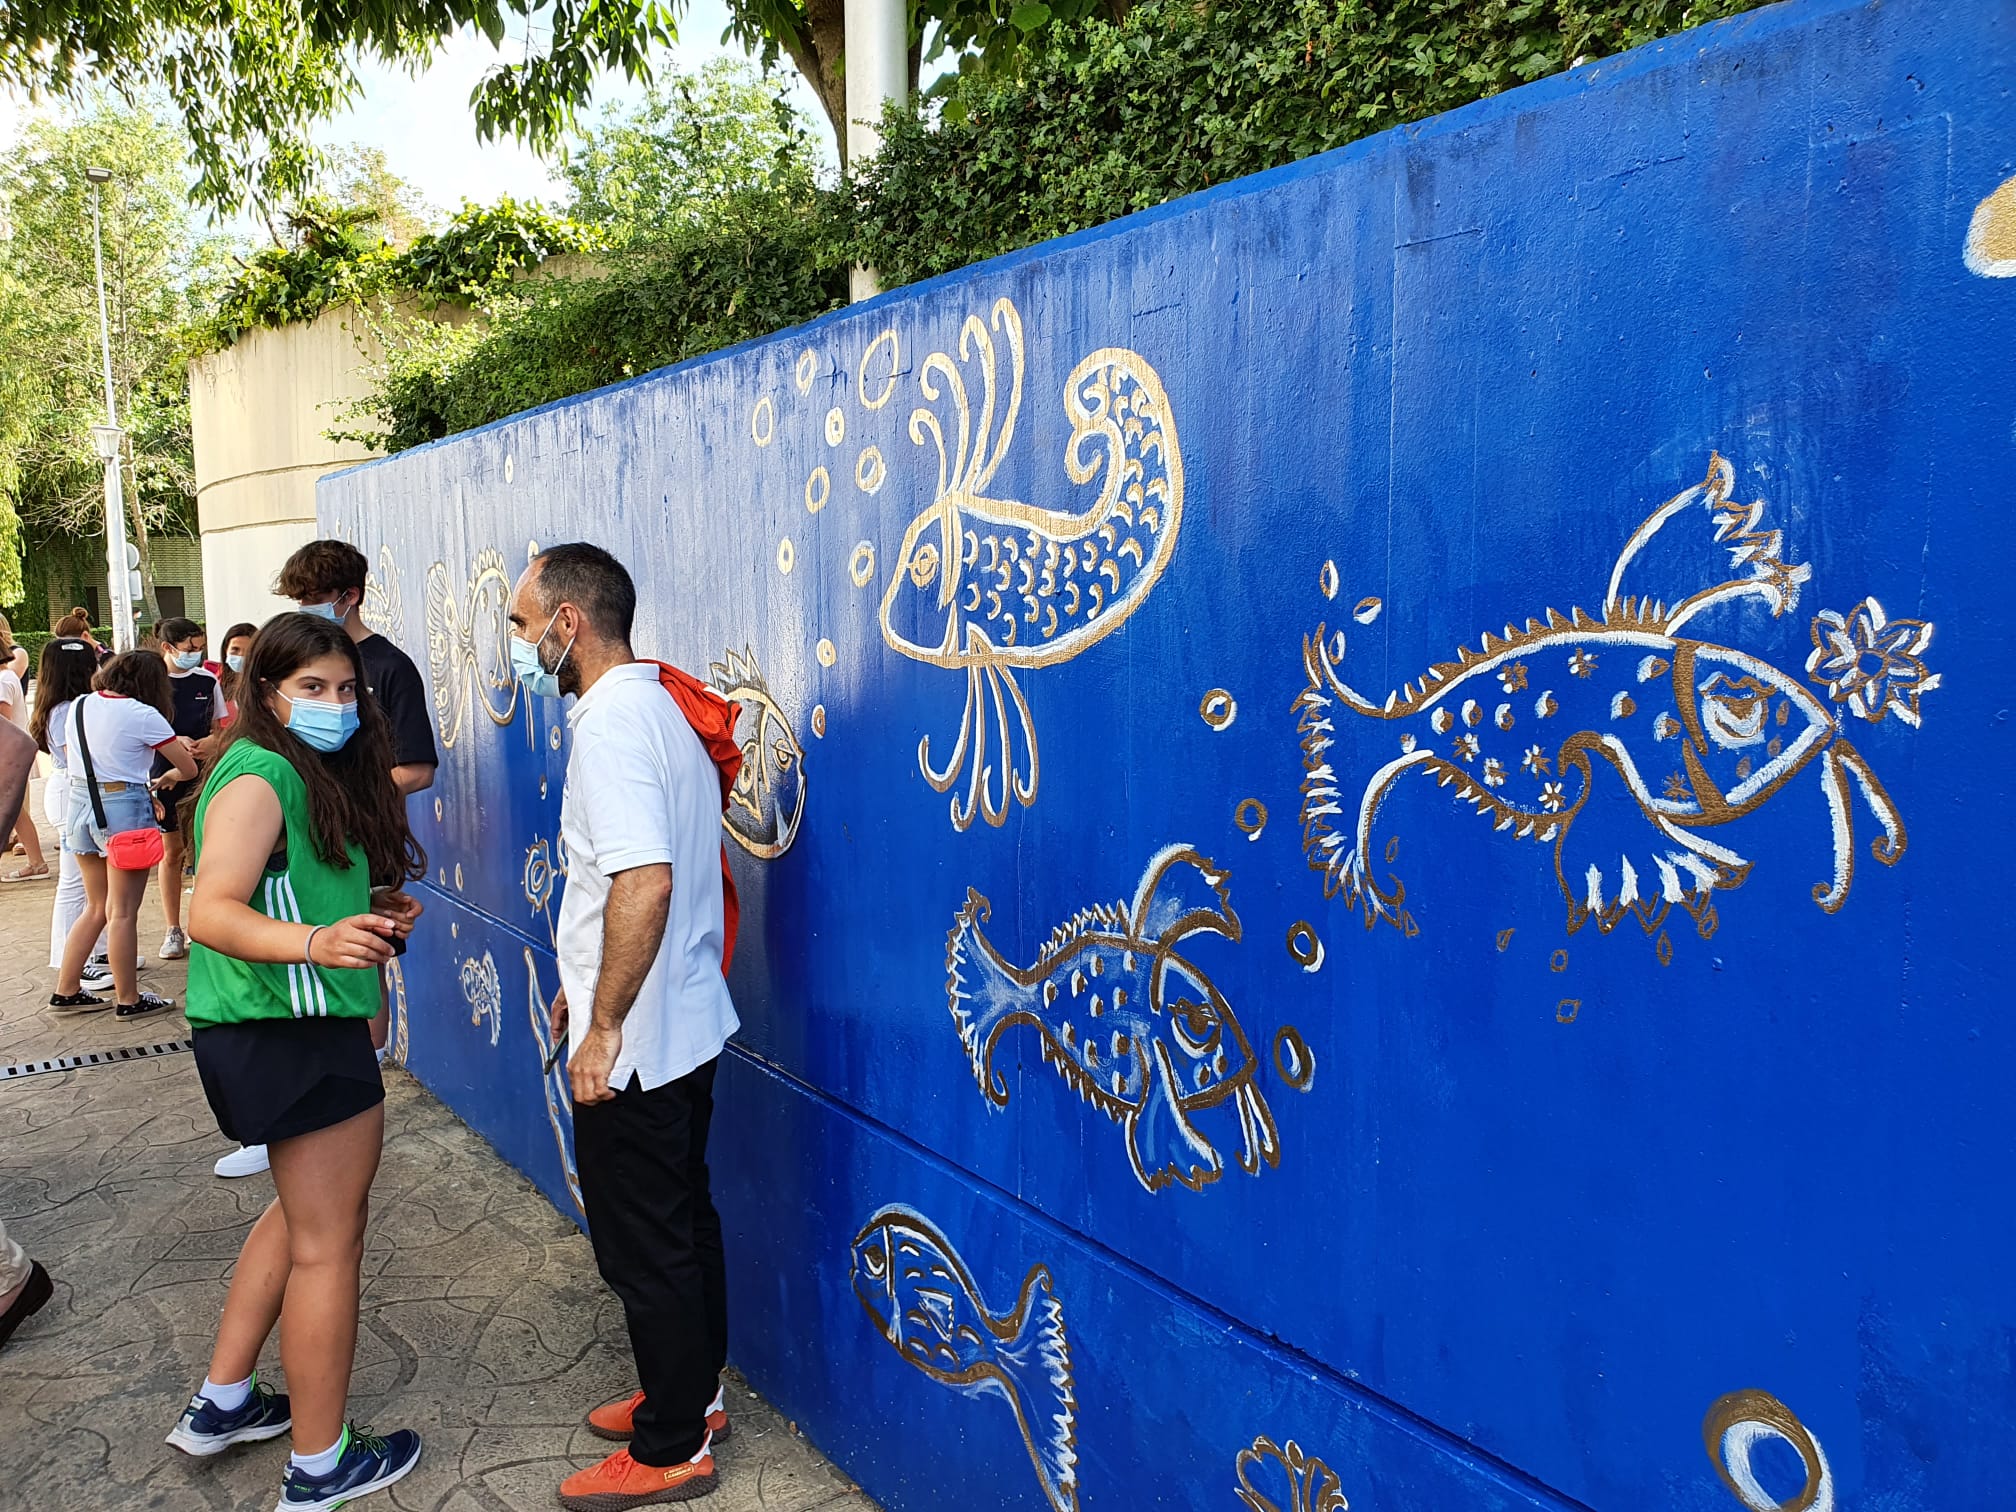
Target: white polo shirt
[(641, 791)]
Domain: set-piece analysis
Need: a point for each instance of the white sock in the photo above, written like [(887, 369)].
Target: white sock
[(319, 1465), (720, 1402), (227, 1398), (383, 1051), (705, 1447)]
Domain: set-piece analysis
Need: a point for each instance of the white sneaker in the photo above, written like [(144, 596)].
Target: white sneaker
[(174, 945), (99, 966), (247, 1160)]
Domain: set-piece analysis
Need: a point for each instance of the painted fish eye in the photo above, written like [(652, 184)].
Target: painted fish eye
[(1196, 1025), (876, 1263), (781, 754), (924, 565)]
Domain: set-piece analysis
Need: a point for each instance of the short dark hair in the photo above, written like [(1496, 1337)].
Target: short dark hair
[(593, 581), (322, 567), (175, 629), (141, 676)]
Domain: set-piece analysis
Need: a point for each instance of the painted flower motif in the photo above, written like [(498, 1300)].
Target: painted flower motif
[(1676, 787), (1512, 677), (1582, 663), (1870, 662), (1551, 797), (1466, 746), (1494, 772), (1535, 761)]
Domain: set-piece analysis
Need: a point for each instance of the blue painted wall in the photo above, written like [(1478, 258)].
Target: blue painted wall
[(1577, 1078)]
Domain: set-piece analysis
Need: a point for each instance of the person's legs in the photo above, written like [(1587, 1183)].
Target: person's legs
[(123, 892), (252, 1307), (31, 840), (324, 1180), (707, 1220), (172, 857), (84, 933), (68, 906), (634, 1155)]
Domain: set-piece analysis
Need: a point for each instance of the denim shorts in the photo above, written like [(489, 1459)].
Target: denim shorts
[(131, 810)]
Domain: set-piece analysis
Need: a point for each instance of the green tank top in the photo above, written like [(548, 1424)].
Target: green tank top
[(224, 990)]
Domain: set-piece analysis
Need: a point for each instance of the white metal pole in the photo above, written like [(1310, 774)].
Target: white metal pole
[(878, 68), (115, 493)]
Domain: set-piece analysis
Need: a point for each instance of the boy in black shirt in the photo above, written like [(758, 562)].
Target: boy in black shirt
[(199, 705)]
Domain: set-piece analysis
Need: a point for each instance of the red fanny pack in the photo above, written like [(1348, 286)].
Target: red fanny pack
[(713, 720), (129, 850)]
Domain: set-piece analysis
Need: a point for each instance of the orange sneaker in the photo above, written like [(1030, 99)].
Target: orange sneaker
[(618, 1419), (620, 1483)]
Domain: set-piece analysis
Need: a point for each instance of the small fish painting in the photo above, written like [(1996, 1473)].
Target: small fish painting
[(1310, 1485), (483, 990), (1624, 740), (923, 1300), (993, 586), (1132, 1026), (768, 800)]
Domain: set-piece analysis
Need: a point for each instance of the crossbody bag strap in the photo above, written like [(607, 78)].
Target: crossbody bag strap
[(90, 772)]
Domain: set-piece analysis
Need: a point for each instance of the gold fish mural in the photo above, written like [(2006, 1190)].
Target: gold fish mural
[(398, 1042), (768, 800), (1131, 1025), (554, 1085), (1312, 1486), (483, 990), (922, 1298), (1731, 1432), (993, 586), (382, 609), (469, 645), (1621, 740)]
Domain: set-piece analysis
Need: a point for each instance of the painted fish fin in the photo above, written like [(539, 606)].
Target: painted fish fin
[(1181, 893), (1037, 1364), (1650, 584), (980, 993), (1617, 856), (1262, 1140), (1162, 1142)]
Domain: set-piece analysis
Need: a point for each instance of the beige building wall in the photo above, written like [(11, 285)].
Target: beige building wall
[(259, 413)]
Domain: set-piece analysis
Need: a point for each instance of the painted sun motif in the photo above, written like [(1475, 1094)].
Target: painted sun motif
[(1535, 761), (1494, 772), (1582, 663), (1871, 662), (1512, 677)]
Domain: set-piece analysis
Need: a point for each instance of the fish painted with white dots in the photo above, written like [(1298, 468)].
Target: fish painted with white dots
[(1622, 740)]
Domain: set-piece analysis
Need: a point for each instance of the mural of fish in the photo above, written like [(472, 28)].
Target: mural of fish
[(994, 586), (923, 1300), (1131, 1025), (469, 645), (483, 990), (768, 800), (554, 1084), (1622, 740)]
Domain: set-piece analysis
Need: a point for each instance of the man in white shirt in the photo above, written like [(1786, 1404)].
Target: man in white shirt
[(646, 1012)]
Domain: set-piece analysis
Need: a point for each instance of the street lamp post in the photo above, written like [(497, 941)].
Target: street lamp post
[(108, 439)]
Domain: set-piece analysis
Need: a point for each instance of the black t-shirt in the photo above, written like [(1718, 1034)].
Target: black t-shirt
[(198, 702), (395, 682)]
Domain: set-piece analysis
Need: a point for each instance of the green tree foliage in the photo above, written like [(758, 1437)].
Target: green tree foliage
[(159, 269), (1107, 118), (692, 142)]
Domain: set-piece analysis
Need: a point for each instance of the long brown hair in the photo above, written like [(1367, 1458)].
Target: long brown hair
[(141, 676), (68, 665), (351, 797)]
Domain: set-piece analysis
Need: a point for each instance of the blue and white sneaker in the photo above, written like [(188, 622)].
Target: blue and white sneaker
[(369, 1463), (207, 1429)]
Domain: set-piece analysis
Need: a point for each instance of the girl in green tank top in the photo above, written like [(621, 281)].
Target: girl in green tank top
[(297, 824)]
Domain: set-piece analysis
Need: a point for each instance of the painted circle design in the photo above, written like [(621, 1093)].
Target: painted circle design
[(509, 467), (818, 488), (1293, 1058), (1251, 817), (458, 876), (553, 737), (808, 365), (437, 810), (1664, 949), (763, 422), (1559, 961), (870, 470), (454, 930), (787, 555), (1367, 610), (826, 654), (1567, 1010), (836, 426), (861, 566), (1337, 646), (889, 383), (1734, 1427), (1219, 708), (1305, 946), (1392, 850), (1327, 580), (819, 720)]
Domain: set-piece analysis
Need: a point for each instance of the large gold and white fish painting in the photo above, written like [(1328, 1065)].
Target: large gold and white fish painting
[(924, 1301), (768, 800), (994, 586), (1624, 740), (1132, 1025), (554, 1085), (469, 645)]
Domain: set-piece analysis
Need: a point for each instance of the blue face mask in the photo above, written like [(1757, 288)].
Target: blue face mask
[(323, 724), (188, 661), (525, 663), (328, 612), (235, 663)]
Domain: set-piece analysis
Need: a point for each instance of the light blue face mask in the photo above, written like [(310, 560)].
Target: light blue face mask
[(188, 661), (322, 723), (235, 662), (525, 663), (328, 612)]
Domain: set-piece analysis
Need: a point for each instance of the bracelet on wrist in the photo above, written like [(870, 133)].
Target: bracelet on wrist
[(308, 948)]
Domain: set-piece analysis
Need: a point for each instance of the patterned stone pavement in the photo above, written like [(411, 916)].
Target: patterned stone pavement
[(484, 1324)]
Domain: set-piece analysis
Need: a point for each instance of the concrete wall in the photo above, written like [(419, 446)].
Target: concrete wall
[(259, 413), (1486, 640)]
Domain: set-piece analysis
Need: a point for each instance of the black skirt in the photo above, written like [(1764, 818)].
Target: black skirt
[(273, 1079)]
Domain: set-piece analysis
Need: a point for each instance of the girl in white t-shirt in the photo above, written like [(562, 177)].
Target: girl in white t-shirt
[(125, 721), (68, 665)]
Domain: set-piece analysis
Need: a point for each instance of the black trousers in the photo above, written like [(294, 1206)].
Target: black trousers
[(642, 1159)]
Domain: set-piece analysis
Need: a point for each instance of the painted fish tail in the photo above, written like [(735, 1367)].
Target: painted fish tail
[(1037, 1364), (980, 992)]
